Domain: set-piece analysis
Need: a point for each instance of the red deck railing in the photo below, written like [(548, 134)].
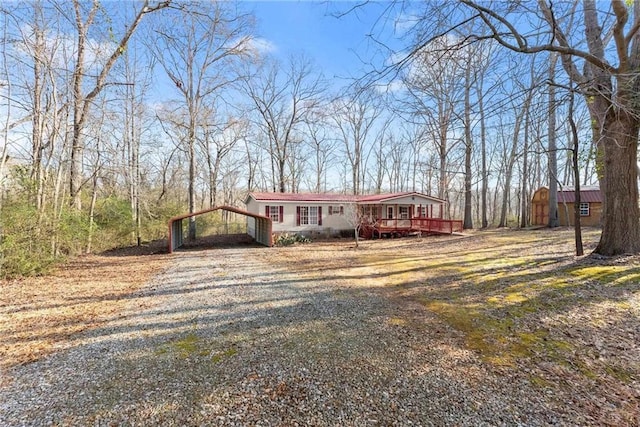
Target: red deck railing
[(405, 226)]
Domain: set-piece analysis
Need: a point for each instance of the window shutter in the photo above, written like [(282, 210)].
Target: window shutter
[(281, 214), (330, 210), (319, 215), (267, 211), (342, 210), (297, 215)]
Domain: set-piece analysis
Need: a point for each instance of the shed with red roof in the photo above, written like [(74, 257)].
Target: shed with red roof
[(590, 206)]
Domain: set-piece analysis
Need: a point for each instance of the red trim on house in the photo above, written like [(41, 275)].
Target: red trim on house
[(324, 197)]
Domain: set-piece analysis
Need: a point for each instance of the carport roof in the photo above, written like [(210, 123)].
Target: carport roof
[(265, 240)]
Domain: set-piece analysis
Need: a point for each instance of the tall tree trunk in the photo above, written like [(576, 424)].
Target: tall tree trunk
[(442, 154), (82, 102), (192, 179), (282, 181), (576, 173), (620, 229), (525, 172), (553, 153), (508, 173), (92, 210), (79, 105), (483, 145), (37, 122), (468, 220)]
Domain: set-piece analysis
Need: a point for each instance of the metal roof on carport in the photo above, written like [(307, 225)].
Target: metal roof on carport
[(263, 232)]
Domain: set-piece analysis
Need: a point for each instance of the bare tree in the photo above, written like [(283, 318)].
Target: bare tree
[(85, 16), (197, 50), (432, 80), (356, 219), (469, 78), (219, 141), (552, 145), (136, 83), (284, 104), (608, 81), (574, 156), (322, 147), (355, 118), (6, 96)]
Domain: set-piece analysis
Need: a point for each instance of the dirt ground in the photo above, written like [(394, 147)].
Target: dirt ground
[(520, 299)]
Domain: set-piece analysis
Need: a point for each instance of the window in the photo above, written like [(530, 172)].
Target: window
[(336, 210), (404, 212), (390, 212), (423, 211), (309, 215), (584, 209), (313, 215), (275, 213)]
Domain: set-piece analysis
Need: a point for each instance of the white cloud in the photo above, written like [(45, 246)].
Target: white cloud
[(256, 46), (61, 48), (394, 86), (405, 22)]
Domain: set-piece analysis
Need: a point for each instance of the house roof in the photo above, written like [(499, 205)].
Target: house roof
[(329, 197), (302, 197), (391, 196), (587, 195)]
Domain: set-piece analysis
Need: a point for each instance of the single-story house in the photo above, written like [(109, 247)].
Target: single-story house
[(590, 206), (330, 214)]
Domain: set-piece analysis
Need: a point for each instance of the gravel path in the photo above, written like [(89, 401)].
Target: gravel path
[(223, 338)]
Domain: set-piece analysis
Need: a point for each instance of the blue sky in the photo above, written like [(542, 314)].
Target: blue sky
[(309, 27)]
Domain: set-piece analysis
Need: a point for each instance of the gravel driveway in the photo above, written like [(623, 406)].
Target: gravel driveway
[(224, 338)]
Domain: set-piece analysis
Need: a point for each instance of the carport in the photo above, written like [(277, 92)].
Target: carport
[(258, 226)]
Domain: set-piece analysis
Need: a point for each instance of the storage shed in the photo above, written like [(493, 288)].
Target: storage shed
[(590, 206)]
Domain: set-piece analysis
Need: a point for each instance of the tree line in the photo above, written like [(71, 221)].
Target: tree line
[(116, 117)]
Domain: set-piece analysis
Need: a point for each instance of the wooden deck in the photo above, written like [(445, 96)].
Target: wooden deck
[(404, 227)]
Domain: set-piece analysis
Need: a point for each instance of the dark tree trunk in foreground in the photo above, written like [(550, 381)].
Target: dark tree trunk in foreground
[(605, 65), (620, 230)]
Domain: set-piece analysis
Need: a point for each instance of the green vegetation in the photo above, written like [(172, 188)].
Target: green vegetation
[(519, 299), (35, 238), (286, 239), (31, 243), (192, 345)]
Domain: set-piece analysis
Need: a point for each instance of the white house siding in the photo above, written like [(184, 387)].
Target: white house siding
[(434, 206), (335, 223), (331, 224)]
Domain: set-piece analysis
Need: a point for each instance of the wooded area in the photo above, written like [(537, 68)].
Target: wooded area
[(117, 116)]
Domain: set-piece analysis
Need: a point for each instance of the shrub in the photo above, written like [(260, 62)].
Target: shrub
[(286, 239), (30, 244)]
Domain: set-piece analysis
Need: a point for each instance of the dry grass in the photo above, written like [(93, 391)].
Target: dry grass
[(522, 301), (43, 314)]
